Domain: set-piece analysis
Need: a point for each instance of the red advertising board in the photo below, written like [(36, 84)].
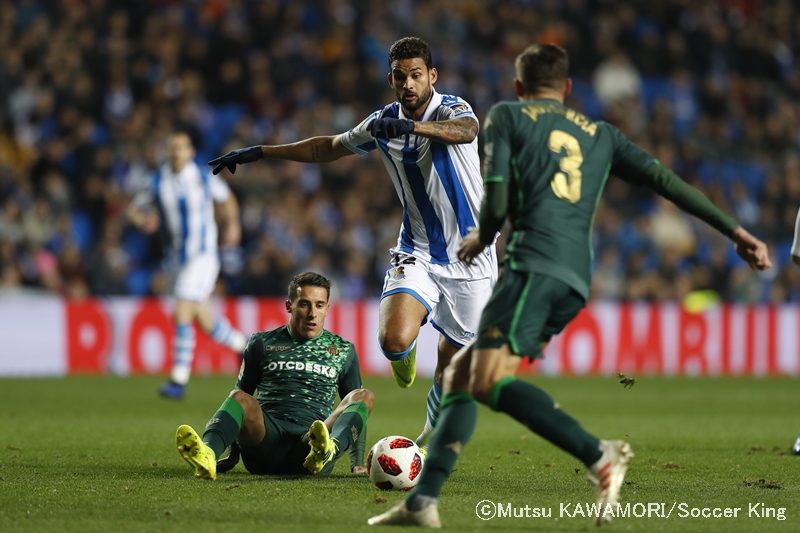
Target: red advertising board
[(134, 336)]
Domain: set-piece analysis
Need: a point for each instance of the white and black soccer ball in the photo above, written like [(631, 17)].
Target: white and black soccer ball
[(395, 463)]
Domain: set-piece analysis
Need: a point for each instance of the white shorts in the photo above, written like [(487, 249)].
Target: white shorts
[(195, 279), (453, 294)]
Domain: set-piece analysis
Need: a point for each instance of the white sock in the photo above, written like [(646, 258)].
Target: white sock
[(181, 373)]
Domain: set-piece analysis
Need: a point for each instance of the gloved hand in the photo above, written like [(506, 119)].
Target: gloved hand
[(236, 157), (390, 128)]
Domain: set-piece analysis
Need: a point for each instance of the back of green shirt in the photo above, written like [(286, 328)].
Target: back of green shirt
[(556, 162), (298, 379)]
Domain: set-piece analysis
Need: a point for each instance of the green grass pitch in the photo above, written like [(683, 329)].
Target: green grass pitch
[(98, 454)]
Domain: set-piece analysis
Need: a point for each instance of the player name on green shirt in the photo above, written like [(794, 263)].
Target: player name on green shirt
[(579, 119)]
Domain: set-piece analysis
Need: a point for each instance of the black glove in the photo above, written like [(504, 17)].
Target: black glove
[(236, 157), (390, 128)]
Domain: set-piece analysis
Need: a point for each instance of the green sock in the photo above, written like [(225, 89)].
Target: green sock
[(224, 426), (349, 432), (457, 416), (533, 407)]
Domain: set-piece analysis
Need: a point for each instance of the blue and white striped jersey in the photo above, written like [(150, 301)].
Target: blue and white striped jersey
[(439, 185), (186, 201)]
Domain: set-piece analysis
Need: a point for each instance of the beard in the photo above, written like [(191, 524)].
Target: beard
[(422, 100)]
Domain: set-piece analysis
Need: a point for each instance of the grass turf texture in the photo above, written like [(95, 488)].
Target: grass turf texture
[(98, 454)]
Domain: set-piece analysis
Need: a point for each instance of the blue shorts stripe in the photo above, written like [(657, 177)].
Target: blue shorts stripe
[(450, 339), (412, 292)]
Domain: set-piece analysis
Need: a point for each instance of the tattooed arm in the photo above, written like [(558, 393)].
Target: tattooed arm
[(453, 131), (312, 150)]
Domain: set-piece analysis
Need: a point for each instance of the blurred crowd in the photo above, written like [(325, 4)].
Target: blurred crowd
[(89, 90)]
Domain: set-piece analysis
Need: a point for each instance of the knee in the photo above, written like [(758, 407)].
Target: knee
[(361, 395), (247, 402), (395, 341), (480, 387)]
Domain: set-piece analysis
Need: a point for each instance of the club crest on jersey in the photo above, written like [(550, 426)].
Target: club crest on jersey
[(333, 351), (399, 272), (459, 108)]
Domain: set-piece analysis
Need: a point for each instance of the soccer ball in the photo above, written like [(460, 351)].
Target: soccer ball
[(394, 463)]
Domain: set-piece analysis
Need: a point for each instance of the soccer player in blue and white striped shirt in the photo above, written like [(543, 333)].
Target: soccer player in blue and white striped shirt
[(185, 197), (428, 143)]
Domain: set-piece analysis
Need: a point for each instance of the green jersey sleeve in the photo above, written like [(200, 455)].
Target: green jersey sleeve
[(635, 165), (250, 371), (350, 378), (497, 145), (497, 172)]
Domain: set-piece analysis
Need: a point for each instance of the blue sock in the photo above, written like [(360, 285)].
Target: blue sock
[(434, 399), (183, 346), (225, 334)]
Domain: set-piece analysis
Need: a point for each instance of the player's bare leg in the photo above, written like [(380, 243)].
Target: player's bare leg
[(343, 430), (400, 318), (252, 430)]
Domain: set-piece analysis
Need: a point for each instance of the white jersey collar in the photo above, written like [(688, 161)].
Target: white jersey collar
[(433, 105)]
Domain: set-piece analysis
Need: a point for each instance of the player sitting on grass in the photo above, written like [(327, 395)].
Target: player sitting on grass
[(283, 399)]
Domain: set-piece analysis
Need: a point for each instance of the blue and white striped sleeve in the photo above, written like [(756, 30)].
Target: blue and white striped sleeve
[(358, 139), (455, 107)]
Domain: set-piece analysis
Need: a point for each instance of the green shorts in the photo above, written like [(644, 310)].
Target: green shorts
[(525, 310), (282, 451)]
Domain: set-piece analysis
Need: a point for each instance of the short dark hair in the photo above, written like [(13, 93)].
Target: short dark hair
[(308, 278), (542, 65), (409, 48)]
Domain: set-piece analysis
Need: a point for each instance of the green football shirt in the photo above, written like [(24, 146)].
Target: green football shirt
[(555, 162), (298, 379)]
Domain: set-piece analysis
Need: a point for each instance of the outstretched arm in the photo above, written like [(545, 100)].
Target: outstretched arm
[(312, 150), (666, 183), (635, 165)]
